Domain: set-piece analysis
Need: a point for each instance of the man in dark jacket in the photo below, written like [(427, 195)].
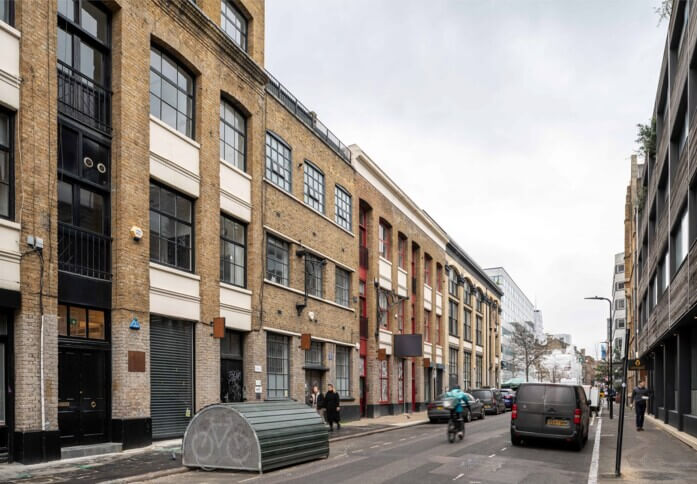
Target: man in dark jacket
[(331, 403), (640, 396)]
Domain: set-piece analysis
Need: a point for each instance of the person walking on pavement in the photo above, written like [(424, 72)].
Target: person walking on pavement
[(640, 396), (316, 401), (331, 403)]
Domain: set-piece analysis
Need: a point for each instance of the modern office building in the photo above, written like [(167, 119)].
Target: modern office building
[(516, 307), (666, 267), (619, 305), (177, 229)]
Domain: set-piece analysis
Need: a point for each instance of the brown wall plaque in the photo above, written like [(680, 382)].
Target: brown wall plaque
[(305, 341), (382, 354), (219, 327), (427, 362), (136, 361)]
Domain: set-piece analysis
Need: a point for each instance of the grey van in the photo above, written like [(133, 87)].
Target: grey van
[(550, 411)]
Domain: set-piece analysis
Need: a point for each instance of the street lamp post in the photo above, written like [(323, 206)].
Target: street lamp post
[(609, 353)]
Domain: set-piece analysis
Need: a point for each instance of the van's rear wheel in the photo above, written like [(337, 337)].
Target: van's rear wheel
[(517, 441)]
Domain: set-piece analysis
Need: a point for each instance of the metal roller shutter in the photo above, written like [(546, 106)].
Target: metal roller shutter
[(171, 376)]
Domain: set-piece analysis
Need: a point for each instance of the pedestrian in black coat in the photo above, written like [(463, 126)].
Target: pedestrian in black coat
[(331, 403)]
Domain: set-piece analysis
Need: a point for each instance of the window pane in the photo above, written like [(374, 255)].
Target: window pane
[(67, 8), (96, 324), (68, 146), (78, 322), (65, 202), (94, 20), (278, 163), (91, 63), (64, 49), (62, 320), (99, 154), (91, 211)]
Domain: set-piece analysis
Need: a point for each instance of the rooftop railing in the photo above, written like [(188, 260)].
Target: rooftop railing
[(83, 100), (308, 117)]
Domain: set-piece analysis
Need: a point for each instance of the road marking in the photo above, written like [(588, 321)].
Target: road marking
[(249, 479), (375, 446), (593, 472), (402, 439), (387, 443), (357, 450), (593, 420), (492, 455), (457, 477), (504, 449)]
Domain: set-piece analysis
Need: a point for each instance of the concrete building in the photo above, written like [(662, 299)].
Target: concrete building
[(177, 229), (516, 307), (619, 305), (666, 267)]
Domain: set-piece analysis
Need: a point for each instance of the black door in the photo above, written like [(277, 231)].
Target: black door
[(6, 384), (82, 406), (231, 380)]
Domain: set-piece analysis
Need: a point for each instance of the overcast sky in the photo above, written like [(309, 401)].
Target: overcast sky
[(510, 122)]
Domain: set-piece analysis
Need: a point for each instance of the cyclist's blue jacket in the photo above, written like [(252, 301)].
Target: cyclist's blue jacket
[(461, 398)]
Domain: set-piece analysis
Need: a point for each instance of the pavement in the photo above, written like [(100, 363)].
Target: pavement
[(654, 455), (422, 454), (163, 458)]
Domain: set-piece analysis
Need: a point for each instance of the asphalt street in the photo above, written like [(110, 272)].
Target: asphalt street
[(422, 454)]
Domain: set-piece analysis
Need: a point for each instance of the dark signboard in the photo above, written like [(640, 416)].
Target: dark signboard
[(636, 364), (406, 345)]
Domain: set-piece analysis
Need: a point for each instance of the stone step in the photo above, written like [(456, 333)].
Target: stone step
[(88, 450)]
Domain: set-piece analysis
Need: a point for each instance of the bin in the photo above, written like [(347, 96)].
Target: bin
[(254, 436)]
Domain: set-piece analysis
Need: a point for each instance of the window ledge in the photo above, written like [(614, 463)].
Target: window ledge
[(235, 169), (10, 30), (347, 399), (232, 287), (176, 133), (10, 224), (172, 270), (309, 296), (385, 260)]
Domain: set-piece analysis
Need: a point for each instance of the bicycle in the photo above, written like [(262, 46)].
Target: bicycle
[(456, 424)]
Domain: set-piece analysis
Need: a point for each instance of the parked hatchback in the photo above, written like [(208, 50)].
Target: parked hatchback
[(473, 410), (508, 397), (491, 398), (550, 411)]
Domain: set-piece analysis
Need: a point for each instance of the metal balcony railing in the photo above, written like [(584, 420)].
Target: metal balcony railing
[(83, 100), (84, 253), (308, 117)]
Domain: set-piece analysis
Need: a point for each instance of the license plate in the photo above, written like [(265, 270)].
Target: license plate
[(557, 422), (487, 406), (440, 407)]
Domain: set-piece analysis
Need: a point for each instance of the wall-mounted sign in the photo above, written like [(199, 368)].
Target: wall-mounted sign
[(257, 368), (134, 324), (257, 389)]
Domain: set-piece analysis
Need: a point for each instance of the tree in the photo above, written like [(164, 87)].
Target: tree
[(527, 351), (664, 9), (646, 139)]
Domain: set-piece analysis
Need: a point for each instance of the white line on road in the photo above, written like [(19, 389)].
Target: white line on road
[(249, 479), (457, 477), (387, 443), (492, 455), (504, 449), (375, 446), (593, 420), (403, 439), (593, 472)]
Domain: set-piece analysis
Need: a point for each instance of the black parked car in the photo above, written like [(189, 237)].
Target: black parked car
[(436, 412), (551, 411), (491, 398)]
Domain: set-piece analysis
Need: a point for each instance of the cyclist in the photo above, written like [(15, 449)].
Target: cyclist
[(461, 398)]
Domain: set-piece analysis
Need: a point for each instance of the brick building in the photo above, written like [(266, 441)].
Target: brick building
[(154, 178)]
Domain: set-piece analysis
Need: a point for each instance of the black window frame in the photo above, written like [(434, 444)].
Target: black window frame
[(9, 149), (467, 324), (176, 219), (343, 383), (314, 276), (283, 171), (314, 187), (224, 103), (181, 69), (466, 369), (225, 19), (343, 208), (87, 309), (223, 239), (453, 309), (315, 355), (278, 339), (478, 322), (8, 13), (344, 290), (479, 370), (278, 243), (453, 376)]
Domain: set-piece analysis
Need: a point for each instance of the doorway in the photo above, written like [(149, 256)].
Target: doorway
[(413, 386), (6, 384), (361, 387), (231, 372), (82, 391)]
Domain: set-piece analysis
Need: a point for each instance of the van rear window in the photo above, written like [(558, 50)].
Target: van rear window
[(531, 393), (483, 394), (560, 394)]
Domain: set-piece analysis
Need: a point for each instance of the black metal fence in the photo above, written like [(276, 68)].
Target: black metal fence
[(306, 116), (84, 253), (83, 100)]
